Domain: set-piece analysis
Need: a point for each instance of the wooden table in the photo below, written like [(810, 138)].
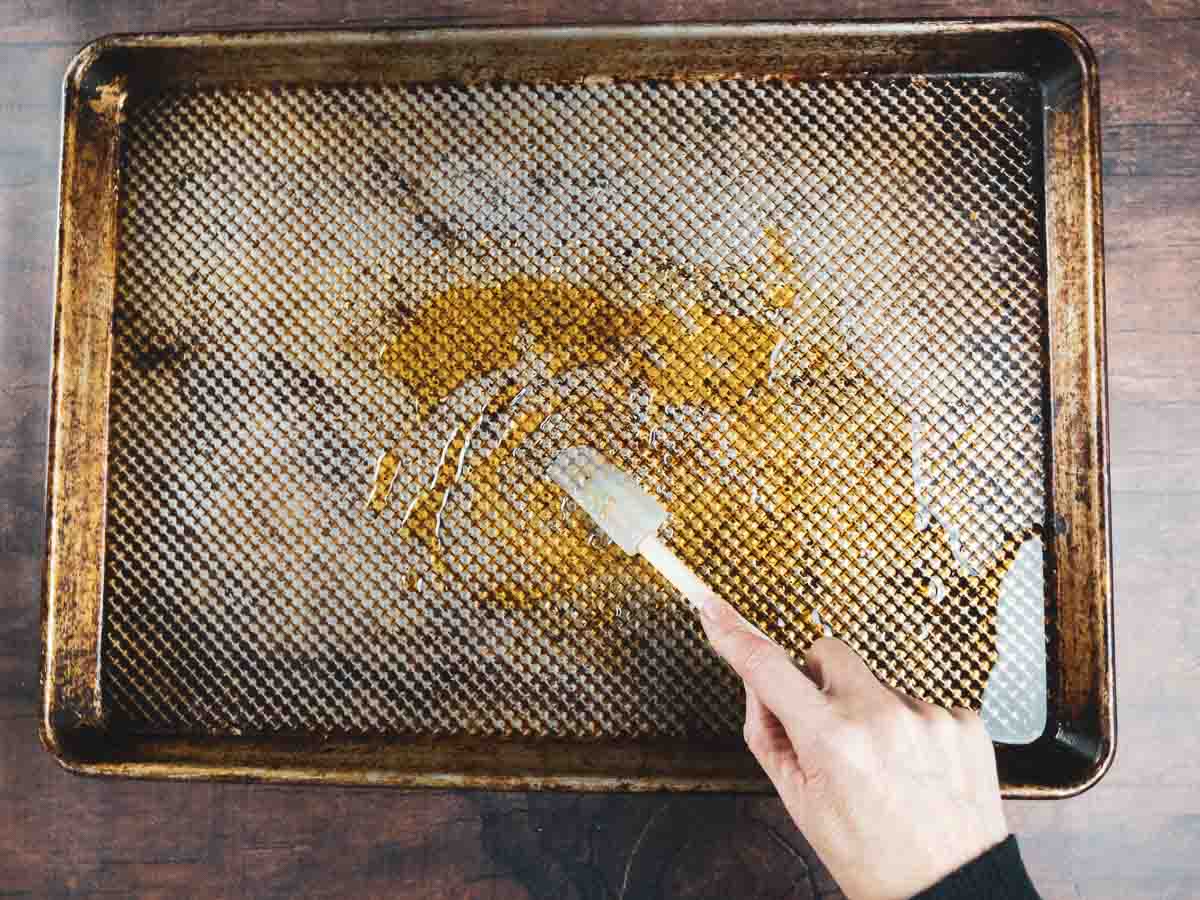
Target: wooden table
[(1137, 835)]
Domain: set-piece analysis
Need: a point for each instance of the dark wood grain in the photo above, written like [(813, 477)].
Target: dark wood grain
[(1136, 835)]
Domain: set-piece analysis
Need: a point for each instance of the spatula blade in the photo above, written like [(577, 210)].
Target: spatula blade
[(617, 503)]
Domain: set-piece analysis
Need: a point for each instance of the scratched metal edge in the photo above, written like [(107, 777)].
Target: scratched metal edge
[(286, 773), (1095, 513), (72, 582), (72, 721)]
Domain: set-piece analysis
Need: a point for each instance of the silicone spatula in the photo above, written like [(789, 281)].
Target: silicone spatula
[(625, 512)]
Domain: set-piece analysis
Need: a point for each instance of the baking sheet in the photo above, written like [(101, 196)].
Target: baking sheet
[(352, 323)]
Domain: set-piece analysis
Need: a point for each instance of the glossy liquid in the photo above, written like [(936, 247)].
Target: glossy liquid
[(792, 476)]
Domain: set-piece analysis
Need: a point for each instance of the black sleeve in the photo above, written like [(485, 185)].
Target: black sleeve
[(998, 874)]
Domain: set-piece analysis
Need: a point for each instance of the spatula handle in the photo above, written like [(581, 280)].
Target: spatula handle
[(674, 569)]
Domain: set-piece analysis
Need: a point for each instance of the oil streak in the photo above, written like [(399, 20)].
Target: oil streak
[(386, 470), (433, 479), (954, 538), (923, 511)]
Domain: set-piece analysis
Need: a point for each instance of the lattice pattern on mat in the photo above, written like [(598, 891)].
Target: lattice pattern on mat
[(354, 324)]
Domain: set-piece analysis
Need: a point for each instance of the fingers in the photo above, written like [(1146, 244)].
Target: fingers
[(756, 714), (912, 703), (765, 667), (831, 668), (971, 726), (767, 738), (841, 673)]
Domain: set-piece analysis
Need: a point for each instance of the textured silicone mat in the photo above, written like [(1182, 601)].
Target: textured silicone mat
[(353, 325)]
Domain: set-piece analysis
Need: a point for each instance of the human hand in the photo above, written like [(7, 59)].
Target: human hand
[(892, 793)]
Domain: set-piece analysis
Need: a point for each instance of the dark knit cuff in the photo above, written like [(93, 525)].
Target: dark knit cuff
[(998, 874)]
